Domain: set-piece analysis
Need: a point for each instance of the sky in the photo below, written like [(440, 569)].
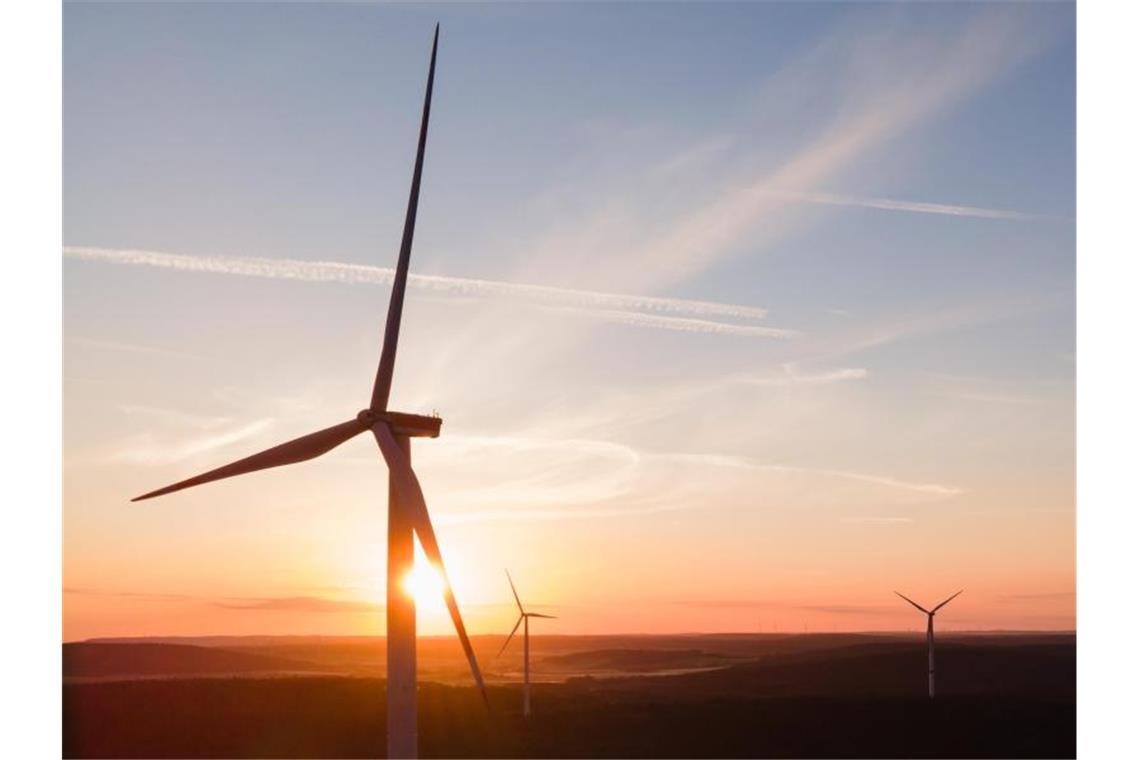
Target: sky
[(739, 317)]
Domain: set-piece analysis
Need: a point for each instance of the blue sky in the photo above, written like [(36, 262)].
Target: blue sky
[(892, 183)]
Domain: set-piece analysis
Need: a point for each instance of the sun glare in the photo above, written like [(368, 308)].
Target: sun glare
[(425, 585)]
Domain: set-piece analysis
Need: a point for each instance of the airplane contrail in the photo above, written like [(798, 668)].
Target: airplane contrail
[(642, 311), (918, 207), (683, 324)]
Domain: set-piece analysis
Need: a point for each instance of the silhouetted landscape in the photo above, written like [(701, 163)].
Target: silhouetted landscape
[(811, 695)]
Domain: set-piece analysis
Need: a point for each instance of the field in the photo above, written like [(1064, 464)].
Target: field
[(823, 695)]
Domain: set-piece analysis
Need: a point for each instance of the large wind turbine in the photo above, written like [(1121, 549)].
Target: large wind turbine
[(524, 620), (930, 636), (407, 512)]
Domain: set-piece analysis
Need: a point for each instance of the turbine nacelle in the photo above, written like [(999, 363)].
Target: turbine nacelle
[(402, 423)]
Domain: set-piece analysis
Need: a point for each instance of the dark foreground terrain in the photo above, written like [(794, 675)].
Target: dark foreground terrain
[(802, 696)]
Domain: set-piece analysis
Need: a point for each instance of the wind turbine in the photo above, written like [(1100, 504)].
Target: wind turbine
[(524, 620), (407, 511), (930, 635)]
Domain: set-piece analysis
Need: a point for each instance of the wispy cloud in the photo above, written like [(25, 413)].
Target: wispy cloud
[(901, 328), (918, 207), (147, 450), (792, 376), (994, 398), (581, 479), (129, 348), (760, 604), (931, 489), (546, 474), (878, 520), (173, 417), (298, 604), (1045, 596), (683, 324), (132, 594), (726, 460), (984, 390), (543, 515), (649, 404), (694, 157), (930, 70), (276, 603), (847, 609), (635, 310)]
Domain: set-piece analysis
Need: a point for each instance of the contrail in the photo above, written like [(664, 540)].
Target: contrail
[(683, 324), (888, 204), (615, 306)]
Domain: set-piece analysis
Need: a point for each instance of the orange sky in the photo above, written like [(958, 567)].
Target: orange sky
[(702, 365)]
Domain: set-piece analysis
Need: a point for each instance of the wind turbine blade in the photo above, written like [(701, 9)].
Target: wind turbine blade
[(517, 601), (412, 499), (548, 617), (946, 602), (298, 450), (920, 607), (511, 636), (383, 384)]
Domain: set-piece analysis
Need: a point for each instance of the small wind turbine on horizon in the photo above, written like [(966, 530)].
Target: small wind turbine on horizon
[(930, 635), (407, 511), (524, 620)]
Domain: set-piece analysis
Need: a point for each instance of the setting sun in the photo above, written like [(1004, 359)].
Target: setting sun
[(424, 584)]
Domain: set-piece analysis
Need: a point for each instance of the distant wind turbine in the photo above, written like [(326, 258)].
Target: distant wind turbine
[(524, 620), (407, 511), (930, 635)]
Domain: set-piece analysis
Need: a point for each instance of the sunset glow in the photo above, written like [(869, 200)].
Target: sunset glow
[(772, 324)]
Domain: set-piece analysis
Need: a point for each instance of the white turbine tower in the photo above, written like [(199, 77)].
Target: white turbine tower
[(524, 620), (407, 511), (930, 636)]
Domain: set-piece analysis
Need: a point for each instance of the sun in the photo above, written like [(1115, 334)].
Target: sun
[(424, 584)]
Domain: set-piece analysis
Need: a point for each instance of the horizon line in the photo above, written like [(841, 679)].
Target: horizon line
[(810, 632)]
